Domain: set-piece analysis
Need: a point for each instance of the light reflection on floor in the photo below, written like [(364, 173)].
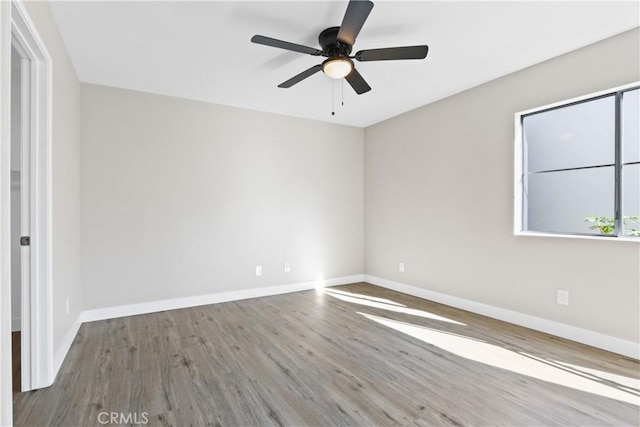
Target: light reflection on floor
[(632, 384), (519, 363), (360, 299), (361, 296)]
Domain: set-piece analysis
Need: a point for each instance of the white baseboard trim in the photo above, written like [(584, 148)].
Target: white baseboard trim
[(573, 333), (16, 324), (175, 303), (172, 304), (62, 351)]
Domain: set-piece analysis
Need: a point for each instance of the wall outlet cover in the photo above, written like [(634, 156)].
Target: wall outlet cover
[(563, 297)]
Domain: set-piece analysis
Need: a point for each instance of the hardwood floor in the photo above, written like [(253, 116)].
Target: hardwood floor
[(15, 361), (351, 355)]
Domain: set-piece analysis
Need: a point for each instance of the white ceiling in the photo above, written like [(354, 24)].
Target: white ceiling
[(202, 50)]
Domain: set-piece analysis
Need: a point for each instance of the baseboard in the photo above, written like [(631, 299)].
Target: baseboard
[(595, 339), (16, 324), (62, 351), (573, 333), (175, 303), (171, 304)]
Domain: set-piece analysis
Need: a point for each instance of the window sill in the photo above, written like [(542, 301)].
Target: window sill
[(577, 236)]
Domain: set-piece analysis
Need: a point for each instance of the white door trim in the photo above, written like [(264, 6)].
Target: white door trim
[(25, 211), (22, 32), (6, 398)]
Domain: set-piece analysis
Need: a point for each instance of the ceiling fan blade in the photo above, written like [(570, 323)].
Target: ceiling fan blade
[(357, 82), (393, 53), (354, 18), (300, 77), (268, 41)]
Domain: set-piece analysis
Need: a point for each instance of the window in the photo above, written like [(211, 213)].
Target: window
[(578, 167)]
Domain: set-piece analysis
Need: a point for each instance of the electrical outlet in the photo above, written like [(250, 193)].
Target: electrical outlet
[(401, 267), (287, 267), (259, 270), (66, 305), (563, 297)]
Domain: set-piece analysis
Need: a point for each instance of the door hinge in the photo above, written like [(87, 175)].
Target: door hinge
[(25, 241)]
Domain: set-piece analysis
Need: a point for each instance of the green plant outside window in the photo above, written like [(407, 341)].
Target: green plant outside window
[(606, 225)]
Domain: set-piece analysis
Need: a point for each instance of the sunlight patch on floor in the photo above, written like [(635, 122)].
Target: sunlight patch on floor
[(370, 298), (503, 358), (633, 384), (390, 307)]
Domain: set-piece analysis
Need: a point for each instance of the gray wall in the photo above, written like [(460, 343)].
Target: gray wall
[(183, 198), (439, 197)]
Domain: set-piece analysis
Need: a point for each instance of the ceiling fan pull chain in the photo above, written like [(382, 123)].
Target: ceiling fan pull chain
[(342, 88), (333, 97)]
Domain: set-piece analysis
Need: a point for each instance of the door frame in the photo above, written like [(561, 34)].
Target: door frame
[(37, 310)]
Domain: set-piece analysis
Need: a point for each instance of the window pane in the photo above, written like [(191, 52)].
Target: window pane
[(631, 126), (561, 201), (631, 199), (573, 136)]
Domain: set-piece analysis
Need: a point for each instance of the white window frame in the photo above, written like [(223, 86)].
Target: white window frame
[(518, 169)]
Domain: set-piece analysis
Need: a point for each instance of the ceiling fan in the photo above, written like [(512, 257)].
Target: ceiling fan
[(337, 43)]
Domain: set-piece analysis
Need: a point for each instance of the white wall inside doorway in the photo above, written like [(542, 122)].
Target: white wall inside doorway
[(15, 190)]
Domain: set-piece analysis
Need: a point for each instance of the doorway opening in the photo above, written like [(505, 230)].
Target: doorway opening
[(19, 194), (27, 195)]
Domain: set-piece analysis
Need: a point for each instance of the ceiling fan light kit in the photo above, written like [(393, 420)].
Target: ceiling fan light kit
[(337, 43), (337, 68)]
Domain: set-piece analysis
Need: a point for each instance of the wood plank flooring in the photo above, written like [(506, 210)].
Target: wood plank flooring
[(354, 355), (16, 352)]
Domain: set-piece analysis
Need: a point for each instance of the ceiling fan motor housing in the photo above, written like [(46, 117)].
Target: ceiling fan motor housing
[(330, 44)]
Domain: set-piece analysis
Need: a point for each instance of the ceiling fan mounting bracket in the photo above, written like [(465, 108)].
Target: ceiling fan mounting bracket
[(331, 46)]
